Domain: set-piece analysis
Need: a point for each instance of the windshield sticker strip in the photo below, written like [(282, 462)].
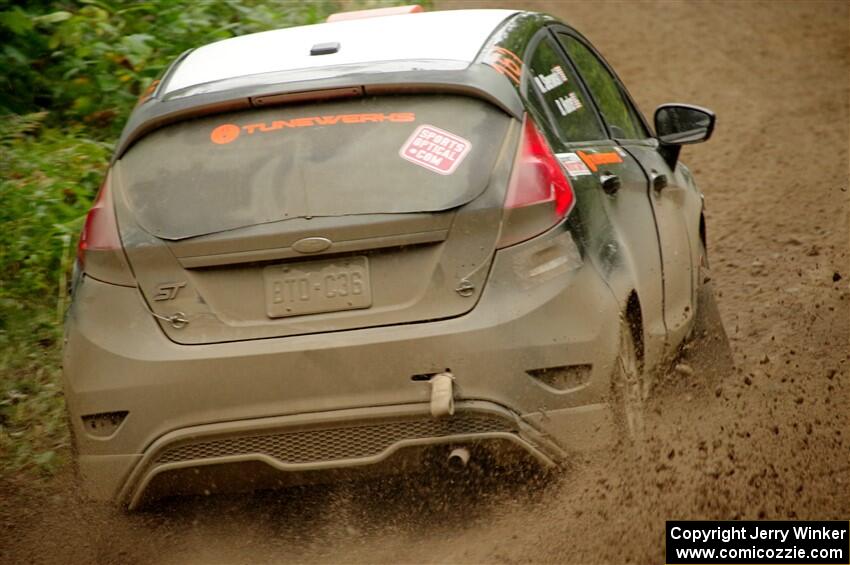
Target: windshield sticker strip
[(226, 133), (435, 149)]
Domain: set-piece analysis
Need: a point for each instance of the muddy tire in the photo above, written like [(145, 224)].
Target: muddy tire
[(628, 387)]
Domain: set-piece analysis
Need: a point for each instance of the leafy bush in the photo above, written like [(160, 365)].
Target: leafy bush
[(90, 63), (72, 71), (47, 178)]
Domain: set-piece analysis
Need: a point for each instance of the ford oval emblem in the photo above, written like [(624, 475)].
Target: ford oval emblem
[(311, 244)]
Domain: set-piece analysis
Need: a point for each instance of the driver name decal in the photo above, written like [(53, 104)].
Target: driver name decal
[(553, 80), (568, 104)]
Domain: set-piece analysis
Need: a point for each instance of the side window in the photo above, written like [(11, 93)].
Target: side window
[(556, 97), (619, 115)]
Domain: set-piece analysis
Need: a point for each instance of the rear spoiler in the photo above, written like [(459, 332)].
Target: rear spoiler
[(476, 81)]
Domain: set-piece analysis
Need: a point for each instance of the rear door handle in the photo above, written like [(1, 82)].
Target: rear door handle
[(658, 181), (610, 183)]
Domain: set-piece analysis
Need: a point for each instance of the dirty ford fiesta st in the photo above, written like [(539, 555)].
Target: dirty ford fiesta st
[(358, 246)]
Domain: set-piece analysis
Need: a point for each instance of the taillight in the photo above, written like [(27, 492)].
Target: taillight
[(100, 232), (539, 195), (99, 251)]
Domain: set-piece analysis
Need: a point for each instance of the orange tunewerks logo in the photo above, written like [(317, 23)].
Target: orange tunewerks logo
[(226, 133), (593, 160)]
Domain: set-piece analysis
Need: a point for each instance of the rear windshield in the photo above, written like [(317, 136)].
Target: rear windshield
[(394, 154)]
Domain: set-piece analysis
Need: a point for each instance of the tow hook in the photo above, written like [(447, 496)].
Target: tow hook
[(442, 395)]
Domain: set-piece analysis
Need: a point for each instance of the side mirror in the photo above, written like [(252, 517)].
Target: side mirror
[(682, 124)]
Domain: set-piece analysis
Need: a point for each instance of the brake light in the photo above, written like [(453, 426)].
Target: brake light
[(539, 195), (100, 232), (360, 14)]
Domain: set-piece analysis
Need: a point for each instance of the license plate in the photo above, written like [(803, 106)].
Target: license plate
[(317, 287)]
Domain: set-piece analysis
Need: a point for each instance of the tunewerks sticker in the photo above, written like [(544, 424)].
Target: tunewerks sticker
[(435, 149), (227, 133)]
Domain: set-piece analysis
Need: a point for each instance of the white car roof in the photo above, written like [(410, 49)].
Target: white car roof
[(454, 35)]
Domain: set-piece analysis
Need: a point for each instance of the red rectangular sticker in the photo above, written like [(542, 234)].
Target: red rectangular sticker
[(435, 149)]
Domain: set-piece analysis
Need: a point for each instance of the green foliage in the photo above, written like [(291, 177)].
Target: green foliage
[(33, 434), (47, 179), (71, 73), (89, 62)]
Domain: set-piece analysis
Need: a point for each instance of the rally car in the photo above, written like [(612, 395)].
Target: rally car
[(355, 247)]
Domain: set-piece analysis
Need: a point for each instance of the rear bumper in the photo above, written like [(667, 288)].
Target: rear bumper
[(309, 447), (534, 313)]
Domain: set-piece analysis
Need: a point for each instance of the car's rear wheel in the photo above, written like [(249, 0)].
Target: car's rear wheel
[(628, 386)]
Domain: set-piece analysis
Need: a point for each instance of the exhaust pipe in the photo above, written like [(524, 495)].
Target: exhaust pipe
[(458, 459)]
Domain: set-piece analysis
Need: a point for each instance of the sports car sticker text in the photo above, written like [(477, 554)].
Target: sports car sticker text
[(435, 149), (553, 80), (593, 160), (506, 62), (226, 133)]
